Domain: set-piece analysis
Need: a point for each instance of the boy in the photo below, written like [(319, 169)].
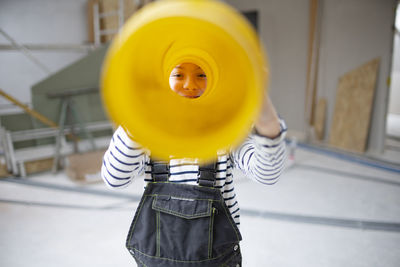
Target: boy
[(189, 215)]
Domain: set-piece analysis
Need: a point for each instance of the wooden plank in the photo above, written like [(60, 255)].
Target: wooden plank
[(314, 88), (3, 171), (352, 113), (145, 2), (130, 7), (38, 165), (112, 22), (33, 113), (320, 117), (28, 110), (90, 15), (31, 167), (312, 60)]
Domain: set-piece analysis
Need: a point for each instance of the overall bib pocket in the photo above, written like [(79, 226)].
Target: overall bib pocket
[(184, 227)]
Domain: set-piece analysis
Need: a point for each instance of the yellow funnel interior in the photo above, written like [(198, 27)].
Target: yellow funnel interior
[(135, 87)]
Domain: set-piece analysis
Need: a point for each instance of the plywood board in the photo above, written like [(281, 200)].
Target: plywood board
[(130, 7), (38, 165), (352, 114), (90, 16), (3, 171), (31, 167), (112, 22)]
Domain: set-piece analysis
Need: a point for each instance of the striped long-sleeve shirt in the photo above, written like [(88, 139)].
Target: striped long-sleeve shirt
[(260, 158)]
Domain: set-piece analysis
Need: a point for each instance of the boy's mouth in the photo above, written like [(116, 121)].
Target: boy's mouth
[(191, 94)]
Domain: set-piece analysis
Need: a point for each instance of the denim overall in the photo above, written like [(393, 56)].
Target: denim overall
[(183, 225)]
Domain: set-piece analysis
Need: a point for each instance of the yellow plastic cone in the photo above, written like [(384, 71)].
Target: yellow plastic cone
[(135, 86)]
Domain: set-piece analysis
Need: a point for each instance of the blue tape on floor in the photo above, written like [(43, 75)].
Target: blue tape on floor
[(330, 221), (352, 158)]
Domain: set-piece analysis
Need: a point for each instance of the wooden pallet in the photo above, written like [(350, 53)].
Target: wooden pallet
[(4, 171)]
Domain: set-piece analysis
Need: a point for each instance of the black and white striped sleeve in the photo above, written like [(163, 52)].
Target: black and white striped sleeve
[(261, 158), (123, 160)]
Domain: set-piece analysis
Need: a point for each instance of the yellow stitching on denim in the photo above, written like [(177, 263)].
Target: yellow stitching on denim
[(195, 216), (226, 213), (183, 185), (155, 195), (158, 242), (211, 233), (137, 217), (154, 257), (144, 265), (198, 215)]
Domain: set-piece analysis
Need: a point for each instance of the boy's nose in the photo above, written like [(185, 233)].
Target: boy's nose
[(189, 84)]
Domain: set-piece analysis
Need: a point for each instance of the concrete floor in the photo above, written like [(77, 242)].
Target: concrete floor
[(323, 212)]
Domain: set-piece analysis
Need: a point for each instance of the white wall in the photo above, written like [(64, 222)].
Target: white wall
[(38, 22), (283, 27), (353, 33), (394, 99)]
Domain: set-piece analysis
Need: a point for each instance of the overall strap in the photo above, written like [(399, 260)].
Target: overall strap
[(206, 177), (159, 170), (207, 174)]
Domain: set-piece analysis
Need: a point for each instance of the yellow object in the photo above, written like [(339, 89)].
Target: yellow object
[(163, 34), (28, 110)]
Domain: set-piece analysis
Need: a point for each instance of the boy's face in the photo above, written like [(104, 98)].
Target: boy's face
[(188, 80)]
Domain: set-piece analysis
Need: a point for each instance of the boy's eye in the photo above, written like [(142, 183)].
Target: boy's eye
[(177, 75), (202, 75)]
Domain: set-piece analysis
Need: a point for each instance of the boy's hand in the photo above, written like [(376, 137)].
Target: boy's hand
[(267, 123)]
